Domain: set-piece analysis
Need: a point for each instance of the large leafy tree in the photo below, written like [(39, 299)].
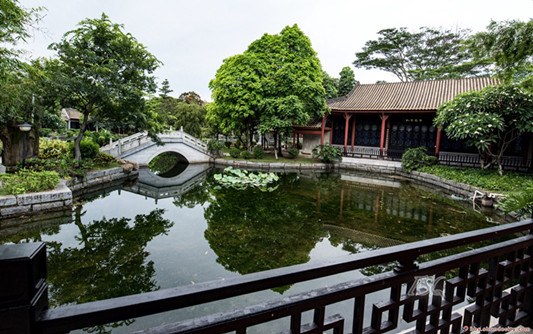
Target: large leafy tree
[(331, 85), (346, 81), (426, 54), (274, 84), (508, 45), (489, 119), (104, 73)]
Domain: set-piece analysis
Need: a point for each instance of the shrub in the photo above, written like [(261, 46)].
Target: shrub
[(414, 158), (246, 154), (214, 147), (227, 144), (293, 153), (259, 153), (52, 148), (45, 132), (88, 149), (235, 152), (26, 181), (104, 158), (327, 153)]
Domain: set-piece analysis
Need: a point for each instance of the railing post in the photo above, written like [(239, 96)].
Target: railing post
[(23, 291)]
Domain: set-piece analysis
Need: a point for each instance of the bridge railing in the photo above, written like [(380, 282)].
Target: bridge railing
[(431, 281), (124, 145)]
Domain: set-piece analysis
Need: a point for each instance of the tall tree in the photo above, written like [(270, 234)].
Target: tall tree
[(346, 81), (18, 80), (508, 45), (426, 54), (165, 89), (489, 119), (275, 83), (104, 73), (331, 85)]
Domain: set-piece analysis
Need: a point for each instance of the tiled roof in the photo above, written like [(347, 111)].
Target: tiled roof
[(403, 96)]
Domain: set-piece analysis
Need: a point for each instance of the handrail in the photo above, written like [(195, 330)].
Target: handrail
[(71, 317)]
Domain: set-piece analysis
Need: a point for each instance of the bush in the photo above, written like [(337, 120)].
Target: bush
[(414, 158), (227, 144), (259, 153), (104, 158), (88, 149), (327, 153), (214, 147), (246, 154), (293, 153), (45, 132), (235, 152), (26, 181), (52, 148)]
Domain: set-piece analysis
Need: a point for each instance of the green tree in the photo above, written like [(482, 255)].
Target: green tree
[(275, 83), (346, 81), (489, 119), (426, 54), (175, 113), (191, 97), (104, 73), (509, 46), (331, 85), (165, 89)]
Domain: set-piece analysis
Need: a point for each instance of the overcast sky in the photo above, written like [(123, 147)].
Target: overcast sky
[(192, 37)]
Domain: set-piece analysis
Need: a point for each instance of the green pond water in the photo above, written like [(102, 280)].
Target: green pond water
[(174, 232)]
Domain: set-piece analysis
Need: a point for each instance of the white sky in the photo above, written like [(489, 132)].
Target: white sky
[(192, 37)]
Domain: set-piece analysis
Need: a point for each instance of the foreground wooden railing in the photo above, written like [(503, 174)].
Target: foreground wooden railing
[(497, 278)]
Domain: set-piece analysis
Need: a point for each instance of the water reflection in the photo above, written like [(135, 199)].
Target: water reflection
[(214, 234)]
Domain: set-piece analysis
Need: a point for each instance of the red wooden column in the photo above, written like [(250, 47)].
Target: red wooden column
[(347, 117), (293, 139), (322, 130), (331, 133), (382, 140), (353, 131), (437, 144)]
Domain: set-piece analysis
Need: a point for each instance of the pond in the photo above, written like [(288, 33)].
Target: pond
[(160, 233)]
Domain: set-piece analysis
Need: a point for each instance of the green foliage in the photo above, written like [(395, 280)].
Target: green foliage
[(163, 162), (88, 149), (346, 81), (101, 137), (494, 115), (331, 86), (426, 54), (482, 178), (176, 113), (27, 181), (235, 152), (259, 153), (53, 121), (52, 148), (327, 153), (214, 147), (112, 87), (293, 153), (276, 82), (414, 158), (103, 158), (507, 45), (242, 179), (45, 132), (227, 144), (246, 154), (519, 202)]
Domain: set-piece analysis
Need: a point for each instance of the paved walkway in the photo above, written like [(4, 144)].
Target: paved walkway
[(372, 162)]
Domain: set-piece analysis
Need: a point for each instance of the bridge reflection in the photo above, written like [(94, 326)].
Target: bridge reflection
[(154, 186)]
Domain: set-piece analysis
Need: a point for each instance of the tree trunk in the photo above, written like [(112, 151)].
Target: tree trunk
[(276, 145), (13, 141), (77, 141)]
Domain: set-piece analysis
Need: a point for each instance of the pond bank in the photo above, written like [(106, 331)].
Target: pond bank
[(15, 207)]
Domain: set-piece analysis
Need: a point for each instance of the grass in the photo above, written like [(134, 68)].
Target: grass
[(510, 182)]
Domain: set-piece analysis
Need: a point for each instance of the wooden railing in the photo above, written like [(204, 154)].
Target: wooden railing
[(496, 279)]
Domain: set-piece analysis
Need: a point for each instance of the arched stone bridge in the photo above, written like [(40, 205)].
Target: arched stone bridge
[(141, 149)]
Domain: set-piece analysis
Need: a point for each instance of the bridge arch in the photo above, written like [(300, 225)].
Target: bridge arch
[(142, 149)]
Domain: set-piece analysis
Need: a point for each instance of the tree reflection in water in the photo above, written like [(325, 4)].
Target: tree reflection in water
[(253, 231), (110, 262)]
